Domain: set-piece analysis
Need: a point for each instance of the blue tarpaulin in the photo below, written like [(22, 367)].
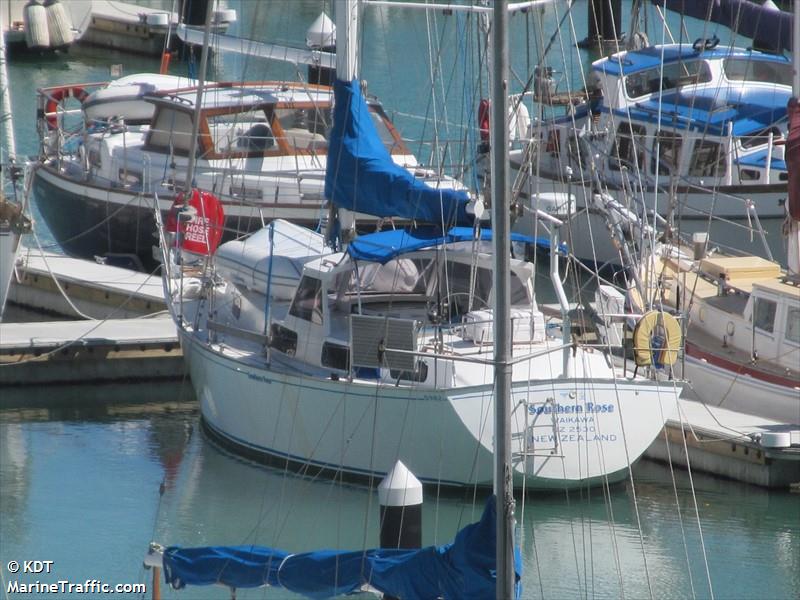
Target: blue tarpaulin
[(464, 569), (361, 175), (383, 246)]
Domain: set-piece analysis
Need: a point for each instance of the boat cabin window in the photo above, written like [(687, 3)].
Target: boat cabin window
[(305, 128), (171, 129), (666, 152), (764, 314), (764, 71), (457, 285), (675, 74), (242, 132), (398, 276), (793, 325), (708, 160), (459, 276), (760, 138), (385, 134), (307, 302), (628, 149)]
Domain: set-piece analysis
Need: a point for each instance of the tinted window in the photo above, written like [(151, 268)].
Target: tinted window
[(764, 314), (748, 69), (760, 138), (171, 129), (708, 160), (457, 285), (240, 132), (385, 134), (793, 325), (307, 303), (305, 128), (667, 147), (674, 74), (628, 149), (336, 356)]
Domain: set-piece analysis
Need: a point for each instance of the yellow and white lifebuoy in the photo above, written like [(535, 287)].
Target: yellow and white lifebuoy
[(656, 339)]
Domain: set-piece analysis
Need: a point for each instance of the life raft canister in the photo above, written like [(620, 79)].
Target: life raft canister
[(56, 97), (656, 339)]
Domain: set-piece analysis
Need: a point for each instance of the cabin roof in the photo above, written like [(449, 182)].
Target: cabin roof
[(710, 110), (633, 61), (238, 95), (777, 286)]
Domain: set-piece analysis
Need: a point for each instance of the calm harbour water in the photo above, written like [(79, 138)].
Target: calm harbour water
[(80, 478), (80, 468)]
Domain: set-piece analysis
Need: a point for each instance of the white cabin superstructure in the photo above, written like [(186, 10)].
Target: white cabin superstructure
[(743, 334), (262, 149), (680, 129)]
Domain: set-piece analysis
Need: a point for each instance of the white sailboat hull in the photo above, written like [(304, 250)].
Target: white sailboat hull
[(595, 431), (741, 392)]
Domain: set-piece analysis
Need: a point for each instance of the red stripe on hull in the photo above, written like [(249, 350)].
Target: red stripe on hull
[(738, 368)]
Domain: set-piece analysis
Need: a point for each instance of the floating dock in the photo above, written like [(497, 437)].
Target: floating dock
[(69, 352), (730, 444), (128, 337), (96, 290)]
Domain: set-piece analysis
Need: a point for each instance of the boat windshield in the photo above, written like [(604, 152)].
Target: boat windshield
[(398, 276), (427, 278), (763, 71), (650, 81), (241, 132), (306, 128)]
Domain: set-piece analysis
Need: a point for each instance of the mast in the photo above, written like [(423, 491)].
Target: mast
[(5, 99), (201, 79), (346, 18), (501, 225), (792, 232), (796, 50)]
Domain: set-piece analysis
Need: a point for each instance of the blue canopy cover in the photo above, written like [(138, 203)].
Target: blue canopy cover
[(464, 569), (361, 175), (383, 246)]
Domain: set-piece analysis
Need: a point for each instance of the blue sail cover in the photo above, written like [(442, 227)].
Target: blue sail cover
[(769, 26), (361, 175), (464, 569), (383, 246)]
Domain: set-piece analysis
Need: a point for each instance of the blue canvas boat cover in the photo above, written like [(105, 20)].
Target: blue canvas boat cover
[(464, 569), (383, 246), (773, 27), (361, 175)]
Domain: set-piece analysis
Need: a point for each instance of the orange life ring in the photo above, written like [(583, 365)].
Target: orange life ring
[(56, 97)]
